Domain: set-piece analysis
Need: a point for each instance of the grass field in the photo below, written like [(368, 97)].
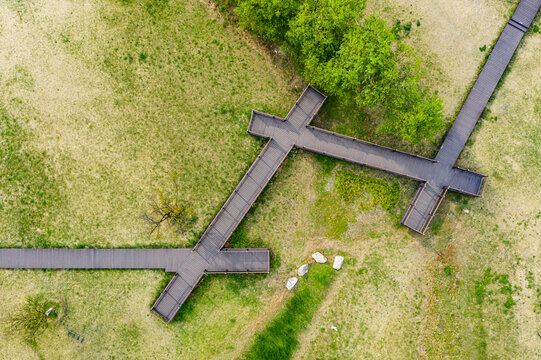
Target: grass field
[(102, 103), (279, 339)]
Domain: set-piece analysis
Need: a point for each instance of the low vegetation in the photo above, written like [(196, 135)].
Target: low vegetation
[(28, 191), (343, 192), (279, 339), (369, 191)]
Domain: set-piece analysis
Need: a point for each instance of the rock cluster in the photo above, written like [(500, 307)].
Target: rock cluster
[(303, 269)]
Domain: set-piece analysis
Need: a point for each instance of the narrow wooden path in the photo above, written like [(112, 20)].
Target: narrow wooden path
[(236, 207), (227, 260), (436, 177), (429, 195)]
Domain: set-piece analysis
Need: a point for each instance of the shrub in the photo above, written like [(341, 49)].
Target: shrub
[(370, 192), (269, 19), (373, 70)]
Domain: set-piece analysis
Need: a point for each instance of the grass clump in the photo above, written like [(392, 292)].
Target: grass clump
[(279, 339), (370, 191), (493, 284)]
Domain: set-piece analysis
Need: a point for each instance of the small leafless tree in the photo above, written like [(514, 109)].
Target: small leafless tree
[(172, 209)]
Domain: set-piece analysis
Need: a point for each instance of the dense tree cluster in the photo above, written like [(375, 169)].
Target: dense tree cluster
[(359, 59)]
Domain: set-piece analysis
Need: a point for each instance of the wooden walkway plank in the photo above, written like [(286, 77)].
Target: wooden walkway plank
[(418, 217), (92, 258)]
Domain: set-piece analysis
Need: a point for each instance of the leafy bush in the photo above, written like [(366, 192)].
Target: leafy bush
[(267, 18), (318, 29), (380, 74)]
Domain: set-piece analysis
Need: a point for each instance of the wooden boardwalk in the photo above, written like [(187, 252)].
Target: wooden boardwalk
[(227, 261), (429, 195), (236, 207), (436, 177)]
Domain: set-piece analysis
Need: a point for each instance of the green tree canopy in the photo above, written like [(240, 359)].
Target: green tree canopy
[(378, 73), (317, 31), (267, 18), (362, 62)]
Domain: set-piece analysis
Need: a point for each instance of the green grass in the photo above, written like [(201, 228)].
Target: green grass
[(100, 106), (343, 192), (279, 339), (128, 124), (369, 192)]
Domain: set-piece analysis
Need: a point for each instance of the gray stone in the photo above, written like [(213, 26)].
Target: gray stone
[(338, 262), (291, 282), (319, 258), (303, 270)]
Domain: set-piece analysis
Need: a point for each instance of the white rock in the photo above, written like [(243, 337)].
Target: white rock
[(319, 258), (338, 262), (334, 328), (291, 282), (303, 270), (466, 211)]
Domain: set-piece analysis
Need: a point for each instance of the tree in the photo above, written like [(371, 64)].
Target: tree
[(317, 31), (363, 63), (377, 72), (178, 213), (32, 320), (267, 18)]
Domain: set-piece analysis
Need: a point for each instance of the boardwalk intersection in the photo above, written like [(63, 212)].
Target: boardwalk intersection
[(436, 177)]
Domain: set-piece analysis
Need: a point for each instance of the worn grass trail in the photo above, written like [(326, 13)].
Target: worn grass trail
[(279, 339)]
